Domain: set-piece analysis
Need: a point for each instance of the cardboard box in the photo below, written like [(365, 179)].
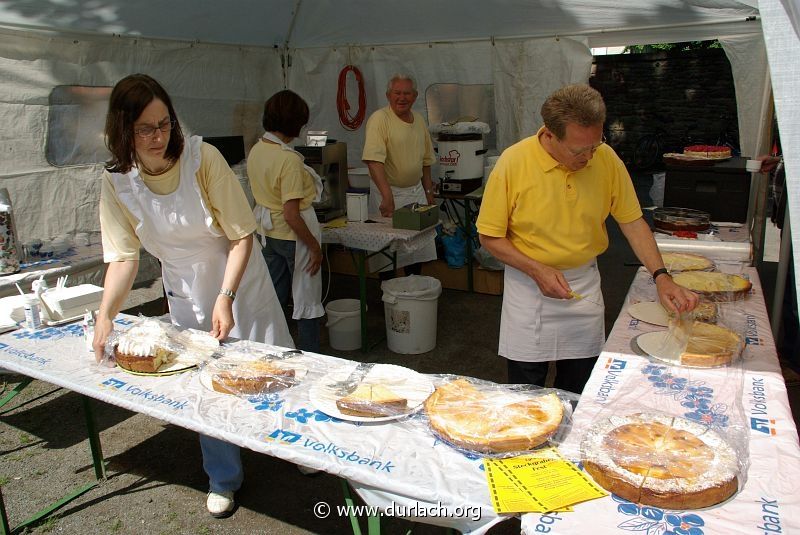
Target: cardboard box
[(416, 217)]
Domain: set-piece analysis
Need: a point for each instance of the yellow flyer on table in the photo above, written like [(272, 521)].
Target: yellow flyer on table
[(549, 481), (506, 496)]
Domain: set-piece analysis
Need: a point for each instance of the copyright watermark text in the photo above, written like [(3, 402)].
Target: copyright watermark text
[(416, 510)]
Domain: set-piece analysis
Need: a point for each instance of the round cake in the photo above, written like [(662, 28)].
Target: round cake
[(714, 286), (711, 152), (677, 262), (250, 378), (660, 460), (143, 348), (492, 421)]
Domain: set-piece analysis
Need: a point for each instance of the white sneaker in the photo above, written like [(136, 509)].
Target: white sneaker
[(221, 505)]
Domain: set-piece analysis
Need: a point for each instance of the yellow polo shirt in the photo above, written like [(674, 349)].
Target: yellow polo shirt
[(277, 176), (551, 214), (219, 188), (403, 148)]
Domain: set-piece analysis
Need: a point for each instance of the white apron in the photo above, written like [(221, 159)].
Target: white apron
[(535, 328), (177, 229), (306, 289), (402, 197)]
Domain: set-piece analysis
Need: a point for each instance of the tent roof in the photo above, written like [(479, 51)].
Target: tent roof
[(322, 23)]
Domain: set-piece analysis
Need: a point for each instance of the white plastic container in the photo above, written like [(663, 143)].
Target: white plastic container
[(357, 206), (72, 301), (358, 177), (344, 324), (33, 318), (411, 306)]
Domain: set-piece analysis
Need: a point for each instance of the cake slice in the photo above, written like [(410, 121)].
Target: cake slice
[(710, 345), (372, 401)]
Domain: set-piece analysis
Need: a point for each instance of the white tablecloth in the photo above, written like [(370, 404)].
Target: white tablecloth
[(751, 395), (401, 459), (378, 236), (83, 264)]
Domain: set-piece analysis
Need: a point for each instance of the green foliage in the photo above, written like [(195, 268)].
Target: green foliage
[(686, 45)]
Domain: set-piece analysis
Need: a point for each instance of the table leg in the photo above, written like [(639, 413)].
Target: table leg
[(16, 390), (361, 261), (373, 521), (99, 472), (468, 218)]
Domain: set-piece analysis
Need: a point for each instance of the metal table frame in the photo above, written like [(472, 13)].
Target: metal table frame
[(465, 201)]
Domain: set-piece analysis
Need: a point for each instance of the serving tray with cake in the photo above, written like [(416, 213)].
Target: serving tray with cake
[(493, 419), (386, 392)]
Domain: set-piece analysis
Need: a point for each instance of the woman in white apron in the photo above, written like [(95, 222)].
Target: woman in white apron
[(180, 201), (284, 189)]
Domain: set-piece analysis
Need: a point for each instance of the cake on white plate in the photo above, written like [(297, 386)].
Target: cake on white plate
[(372, 401)]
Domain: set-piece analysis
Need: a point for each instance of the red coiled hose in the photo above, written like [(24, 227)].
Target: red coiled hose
[(351, 122)]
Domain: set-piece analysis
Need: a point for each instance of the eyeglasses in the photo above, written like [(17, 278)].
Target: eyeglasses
[(578, 152), (148, 131)]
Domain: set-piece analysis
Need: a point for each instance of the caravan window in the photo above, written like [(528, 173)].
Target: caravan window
[(75, 125), (448, 102)]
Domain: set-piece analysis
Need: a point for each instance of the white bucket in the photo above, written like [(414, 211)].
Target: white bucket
[(344, 324), (410, 305)]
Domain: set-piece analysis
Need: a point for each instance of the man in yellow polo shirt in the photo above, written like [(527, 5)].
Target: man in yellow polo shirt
[(398, 152), (543, 215)]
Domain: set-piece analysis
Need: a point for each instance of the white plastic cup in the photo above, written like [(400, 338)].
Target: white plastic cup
[(754, 166)]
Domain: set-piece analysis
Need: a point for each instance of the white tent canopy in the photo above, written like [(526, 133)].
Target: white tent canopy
[(220, 60)]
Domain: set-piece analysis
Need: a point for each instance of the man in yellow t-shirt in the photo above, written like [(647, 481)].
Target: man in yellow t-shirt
[(543, 215), (398, 152)]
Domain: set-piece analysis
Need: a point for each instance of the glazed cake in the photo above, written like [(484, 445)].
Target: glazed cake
[(714, 286), (677, 262), (660, 460), (492, 421)]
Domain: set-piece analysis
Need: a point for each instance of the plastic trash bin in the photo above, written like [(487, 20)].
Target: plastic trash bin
[(344, 324), (411, 305)]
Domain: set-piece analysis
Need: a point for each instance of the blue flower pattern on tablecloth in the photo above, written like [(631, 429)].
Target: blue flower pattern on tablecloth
[(655, 521), (693, 395)]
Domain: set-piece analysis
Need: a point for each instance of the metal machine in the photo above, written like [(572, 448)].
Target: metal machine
[(330, 163)]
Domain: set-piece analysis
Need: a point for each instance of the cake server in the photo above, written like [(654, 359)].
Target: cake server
[(342, 388)]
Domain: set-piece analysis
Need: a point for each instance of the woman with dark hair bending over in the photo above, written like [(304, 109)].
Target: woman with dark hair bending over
[(284, 189), (178, 199)]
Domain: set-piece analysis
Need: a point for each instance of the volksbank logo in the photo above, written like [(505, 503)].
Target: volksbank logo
[(763, 425), (329, 448), (759, 417), (146, 394), (614, 368), (751, 331)]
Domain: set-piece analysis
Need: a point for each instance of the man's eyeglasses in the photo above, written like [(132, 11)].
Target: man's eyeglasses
[(148, 131), (591, 150)]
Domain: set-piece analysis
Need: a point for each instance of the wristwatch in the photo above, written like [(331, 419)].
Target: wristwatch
[(227, 292), (661, 271)]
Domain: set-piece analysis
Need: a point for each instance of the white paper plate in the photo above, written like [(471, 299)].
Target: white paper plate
[(404, 382), (299, 364), (650, 312), (661, 345)]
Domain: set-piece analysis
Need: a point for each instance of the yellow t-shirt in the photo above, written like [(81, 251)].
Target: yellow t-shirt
[(403, 148), (277, 176), (219, 188), (551, 214)]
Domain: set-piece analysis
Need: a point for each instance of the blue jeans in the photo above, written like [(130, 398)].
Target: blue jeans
[(279, 255), (222, 462)]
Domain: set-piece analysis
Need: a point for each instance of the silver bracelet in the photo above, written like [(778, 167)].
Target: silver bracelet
[(227, 292)]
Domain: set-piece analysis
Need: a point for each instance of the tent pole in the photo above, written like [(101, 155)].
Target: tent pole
[(780, 280)]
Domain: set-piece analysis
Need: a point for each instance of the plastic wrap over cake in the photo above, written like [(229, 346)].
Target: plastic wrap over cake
[(244, 372), (662, 460), (678, 262), (497, 420), (714, 286), (151, 345), (460, 127)]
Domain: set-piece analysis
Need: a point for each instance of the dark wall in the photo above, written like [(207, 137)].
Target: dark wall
[(688, 97)]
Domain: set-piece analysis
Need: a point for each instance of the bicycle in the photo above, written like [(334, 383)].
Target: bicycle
[(649, 149)]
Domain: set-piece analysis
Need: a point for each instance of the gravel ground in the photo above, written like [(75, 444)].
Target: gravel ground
[(155, 480)]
